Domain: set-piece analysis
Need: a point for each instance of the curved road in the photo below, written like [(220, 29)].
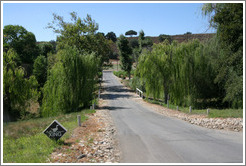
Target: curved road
[(147, 137)]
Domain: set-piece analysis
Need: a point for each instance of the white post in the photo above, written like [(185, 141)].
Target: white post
[(177, 108), (167, 103), (190, 110), (79, 120), (208, 111)]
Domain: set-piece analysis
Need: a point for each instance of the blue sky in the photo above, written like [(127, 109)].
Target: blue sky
[(153, 18)]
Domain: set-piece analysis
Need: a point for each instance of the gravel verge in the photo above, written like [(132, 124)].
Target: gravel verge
[(94, 142)]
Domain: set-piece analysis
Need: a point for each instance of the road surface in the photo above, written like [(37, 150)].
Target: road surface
[(148, 137)]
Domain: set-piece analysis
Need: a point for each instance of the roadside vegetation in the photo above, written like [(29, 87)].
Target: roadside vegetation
[(24, 141)]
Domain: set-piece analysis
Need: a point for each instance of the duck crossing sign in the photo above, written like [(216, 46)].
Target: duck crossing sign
[(55, 130)]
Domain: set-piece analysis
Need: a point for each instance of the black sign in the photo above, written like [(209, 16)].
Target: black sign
[(55, 130)]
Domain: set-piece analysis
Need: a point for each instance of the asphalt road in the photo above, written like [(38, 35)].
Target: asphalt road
[(148, 137)]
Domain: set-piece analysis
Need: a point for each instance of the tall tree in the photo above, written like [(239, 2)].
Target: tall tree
[(141, 38), (111, 36), (228, 20), (22, 41), (80, 33), (71, 82), (125, 52)]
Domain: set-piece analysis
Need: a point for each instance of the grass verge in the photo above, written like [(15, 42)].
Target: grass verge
[(213, 113), (24, 141)]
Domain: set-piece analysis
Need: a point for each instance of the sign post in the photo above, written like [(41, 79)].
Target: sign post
[(55, 130)]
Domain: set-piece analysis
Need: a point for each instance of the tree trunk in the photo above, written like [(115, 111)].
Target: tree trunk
[(6, 108), (165, 92)]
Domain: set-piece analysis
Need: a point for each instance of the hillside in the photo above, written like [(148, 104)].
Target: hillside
[(179, 38)]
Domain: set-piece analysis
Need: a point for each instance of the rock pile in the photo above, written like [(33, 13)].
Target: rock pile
[(233, 124)]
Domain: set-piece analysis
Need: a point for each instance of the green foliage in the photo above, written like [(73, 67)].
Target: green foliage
[(71, 82), (40, 67), (45, 48), (113, 55), (18, 91), (147, 42), (141, 38), (120, 74), (51, 60), (163, 37), (131, 32), (111, 36), (81, 33), (195, 75), (125, 52), (201, 75), (135, 54), (143, 41), (134, 43), (22, 41), (180, 71), (228, 19), (155, 69), (187, 33)]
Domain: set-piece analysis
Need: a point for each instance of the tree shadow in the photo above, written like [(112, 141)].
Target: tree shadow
[(118, 88), (112, 108), (114, 96)]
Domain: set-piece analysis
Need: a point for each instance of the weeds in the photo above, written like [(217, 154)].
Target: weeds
[(24, 141)]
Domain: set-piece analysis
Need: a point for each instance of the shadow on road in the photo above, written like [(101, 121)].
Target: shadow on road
[(113, 108), (118, 88), (114, 96)]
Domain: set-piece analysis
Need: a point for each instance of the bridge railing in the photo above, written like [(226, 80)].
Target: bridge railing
[(139, 92)]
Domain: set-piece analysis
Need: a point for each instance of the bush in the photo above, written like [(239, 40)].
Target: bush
[(121, 74)]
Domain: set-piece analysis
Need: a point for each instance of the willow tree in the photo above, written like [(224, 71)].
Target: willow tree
[(155, 68), (146, 71), (163, 54), (182, 71), (193, 75), (71, 82)]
